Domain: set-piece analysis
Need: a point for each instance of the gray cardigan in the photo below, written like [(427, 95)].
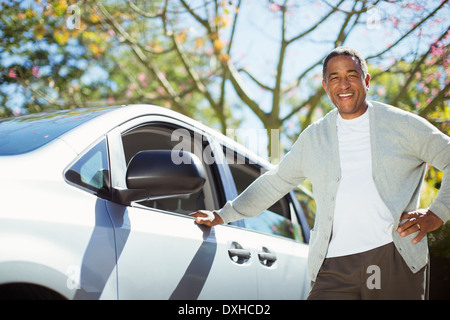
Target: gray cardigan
[(402, 145)]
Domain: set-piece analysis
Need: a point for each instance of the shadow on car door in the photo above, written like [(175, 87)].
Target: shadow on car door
[(193, 280), (168, 256), (96, 274)]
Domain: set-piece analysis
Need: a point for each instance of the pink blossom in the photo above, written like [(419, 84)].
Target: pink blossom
[(437, 51), (291, 125), (274, 7), (35, 71), (142, 77), (160, 90), (209, 51), (12, 74), (394, 22), (429, 62), (16, 111), (381, 91), (415, 6)]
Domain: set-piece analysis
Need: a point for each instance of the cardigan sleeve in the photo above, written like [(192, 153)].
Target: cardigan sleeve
[(433, 147), (267, 189)]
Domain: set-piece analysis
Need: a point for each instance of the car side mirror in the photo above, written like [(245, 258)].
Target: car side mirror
[(154, 174)]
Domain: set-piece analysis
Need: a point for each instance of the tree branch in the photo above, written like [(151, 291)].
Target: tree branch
[(418, 65), (276, 96), (262, 85), (192, 74), (241, 90), (440, 97), (139, 54), (196, 16), (409, 32), (312, 101), (142, 12), (301, 35)]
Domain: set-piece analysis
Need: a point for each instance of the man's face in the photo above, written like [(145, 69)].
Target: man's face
[(345, 85)]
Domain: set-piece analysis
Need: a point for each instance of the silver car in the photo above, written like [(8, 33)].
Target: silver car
[(95, 203)]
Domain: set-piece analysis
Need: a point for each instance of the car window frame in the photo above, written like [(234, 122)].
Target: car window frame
[(296, 212), (104, 195)]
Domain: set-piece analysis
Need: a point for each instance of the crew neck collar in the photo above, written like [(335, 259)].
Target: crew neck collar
[(359, 119)]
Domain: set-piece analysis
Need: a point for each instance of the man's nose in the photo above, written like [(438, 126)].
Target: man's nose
[(344, 83)]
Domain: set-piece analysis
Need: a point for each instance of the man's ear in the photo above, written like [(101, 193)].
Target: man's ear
[(324, 85), (367, 82)]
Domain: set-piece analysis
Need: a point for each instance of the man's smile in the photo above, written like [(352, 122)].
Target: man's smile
[(345, 96)]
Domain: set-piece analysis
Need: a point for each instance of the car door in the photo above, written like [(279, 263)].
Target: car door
[(279, 237), (161, 252)]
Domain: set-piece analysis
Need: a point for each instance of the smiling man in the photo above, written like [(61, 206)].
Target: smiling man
[(346, 84), (366, 162)]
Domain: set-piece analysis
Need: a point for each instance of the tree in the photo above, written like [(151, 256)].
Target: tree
[(66, 54), (190, 55)]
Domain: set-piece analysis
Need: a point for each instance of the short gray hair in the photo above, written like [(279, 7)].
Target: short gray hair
[(347, 51)]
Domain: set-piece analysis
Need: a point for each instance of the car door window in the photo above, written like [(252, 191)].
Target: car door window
[(276, 220), (91, 171), (167, 137)]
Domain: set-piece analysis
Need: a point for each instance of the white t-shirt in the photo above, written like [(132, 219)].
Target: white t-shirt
[(361, 220)]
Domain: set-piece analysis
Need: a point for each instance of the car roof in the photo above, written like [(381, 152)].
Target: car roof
[(23, 134), (81, 127)]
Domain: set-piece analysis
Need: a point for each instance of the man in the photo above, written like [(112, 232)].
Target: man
[(366, 162)]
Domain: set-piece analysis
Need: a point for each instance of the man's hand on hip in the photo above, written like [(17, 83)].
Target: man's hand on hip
[(421, 220)]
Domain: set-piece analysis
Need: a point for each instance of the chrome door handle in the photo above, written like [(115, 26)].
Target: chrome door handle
[(238, 254), (266, 257), (241, 253), (271, 257)]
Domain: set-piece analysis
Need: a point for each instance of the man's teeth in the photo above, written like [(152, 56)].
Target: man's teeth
[(345, 95)]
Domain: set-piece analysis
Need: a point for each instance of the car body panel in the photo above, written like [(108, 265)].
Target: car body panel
[(185, 261), (57, 235)]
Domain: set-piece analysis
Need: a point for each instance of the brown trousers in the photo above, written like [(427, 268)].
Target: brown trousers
[(380, 273)]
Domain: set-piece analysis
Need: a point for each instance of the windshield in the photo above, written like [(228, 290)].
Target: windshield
[(27, 133)]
